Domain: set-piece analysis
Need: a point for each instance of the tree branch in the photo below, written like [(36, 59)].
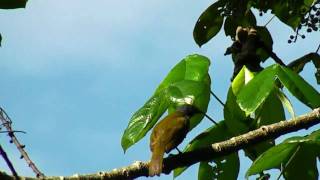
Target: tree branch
[(219, 149), (6, 122)]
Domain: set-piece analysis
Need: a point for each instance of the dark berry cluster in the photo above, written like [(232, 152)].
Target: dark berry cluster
[(310, 22)]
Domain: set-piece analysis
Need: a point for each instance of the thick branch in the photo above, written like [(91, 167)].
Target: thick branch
[(208, 153)]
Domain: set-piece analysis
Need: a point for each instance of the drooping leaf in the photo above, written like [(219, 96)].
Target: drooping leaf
[(286, 102), (299, 87), (271, 111), (228, 166), (12, 4), (303, 165), (297, 155), (272, 158), (235, 118), (188, 75), (208, 24), (257, 90)]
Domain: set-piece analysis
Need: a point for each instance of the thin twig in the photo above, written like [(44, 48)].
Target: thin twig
[(13, 132), (6, 122), (289, 161), (217, 98), (318, 49), (7, 160), (269, 21), (211, 119)]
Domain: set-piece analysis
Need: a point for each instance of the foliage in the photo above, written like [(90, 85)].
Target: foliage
[(254, 99)]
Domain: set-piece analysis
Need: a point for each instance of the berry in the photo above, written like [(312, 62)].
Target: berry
[(309, 30), (291, 37), (303, 36), (289, 41)]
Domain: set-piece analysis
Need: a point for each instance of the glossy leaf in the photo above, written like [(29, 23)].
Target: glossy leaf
[(208, 24), (272, 158), (271, 111), (185, 78), (12, 4), (229, 165), (190, 92), (235, 118), (255, 92), (297, 155), (144, 119), (286, 102), (299, 87)]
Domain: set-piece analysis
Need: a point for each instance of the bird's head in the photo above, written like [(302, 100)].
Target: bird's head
[(188, 110)]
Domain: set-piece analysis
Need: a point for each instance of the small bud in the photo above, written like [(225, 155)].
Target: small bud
[(303, 36), (23, 146), (11, 141), (21, 157)]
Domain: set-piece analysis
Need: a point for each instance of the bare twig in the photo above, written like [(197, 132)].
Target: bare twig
[(6, 122), (269, 21), (8, 162), (217, 98)]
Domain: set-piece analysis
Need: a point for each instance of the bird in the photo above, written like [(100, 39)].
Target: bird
[(168, 134)]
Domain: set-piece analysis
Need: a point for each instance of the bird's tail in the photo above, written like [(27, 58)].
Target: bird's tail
[(155, 165)]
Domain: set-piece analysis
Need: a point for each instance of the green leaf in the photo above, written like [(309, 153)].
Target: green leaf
[(12, 4), (257, 90), (286, 102), (291, 12), (272, 158), (190, 92), (205, 171), (299, 87), (271, 111), (297, 155), (303, 165), (208, 24), (143, 120), (236, 119), (188, 80), (228, 166)]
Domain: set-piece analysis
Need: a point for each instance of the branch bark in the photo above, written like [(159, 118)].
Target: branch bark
[(219, 149)]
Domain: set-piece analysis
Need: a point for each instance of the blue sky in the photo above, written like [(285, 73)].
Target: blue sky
[(73, 72)]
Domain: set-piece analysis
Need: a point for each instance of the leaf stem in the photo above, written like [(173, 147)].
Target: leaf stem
[(217, 98)]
